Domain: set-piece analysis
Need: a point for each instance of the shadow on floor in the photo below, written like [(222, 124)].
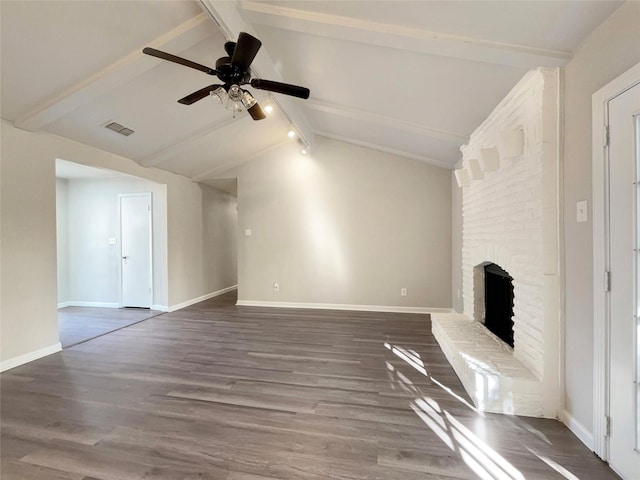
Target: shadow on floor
[(79, 324)]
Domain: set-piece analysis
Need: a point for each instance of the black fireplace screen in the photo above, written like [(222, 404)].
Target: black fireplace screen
[(498, 302)]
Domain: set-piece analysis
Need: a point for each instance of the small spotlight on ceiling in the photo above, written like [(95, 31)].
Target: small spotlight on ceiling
[(291, 133), (268, 108), (304, 151)]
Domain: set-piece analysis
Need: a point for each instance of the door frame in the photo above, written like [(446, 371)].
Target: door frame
[(150, 198), (601, 320)]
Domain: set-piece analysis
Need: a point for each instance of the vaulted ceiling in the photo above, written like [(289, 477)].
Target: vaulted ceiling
[(411, 78)]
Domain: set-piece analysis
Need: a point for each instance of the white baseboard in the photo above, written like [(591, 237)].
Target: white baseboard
[(74, 303), (160, 308), (579, 430), (178, 306), (30, 357), (343, 306)]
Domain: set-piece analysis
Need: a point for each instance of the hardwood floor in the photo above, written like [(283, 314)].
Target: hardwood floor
[(79, 324), (216, 391)]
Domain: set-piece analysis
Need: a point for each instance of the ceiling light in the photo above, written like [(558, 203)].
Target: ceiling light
[(304, 151), (220, 94), (234, 102), (292, 133), (247, 100), (268, 108)]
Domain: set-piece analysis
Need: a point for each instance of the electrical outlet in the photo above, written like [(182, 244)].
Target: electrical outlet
[(276, 287), (403, 292)]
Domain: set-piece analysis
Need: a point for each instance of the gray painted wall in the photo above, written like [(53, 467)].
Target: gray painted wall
[(610, 50), (344, 225)]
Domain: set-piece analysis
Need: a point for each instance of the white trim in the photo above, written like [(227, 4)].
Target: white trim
[(30, 357), (562, 283), (343, 306), (385, 121), (178, 306), (380, 148), (600, 297), (75, 303), (401, 37), (160, 308), (577, 428)]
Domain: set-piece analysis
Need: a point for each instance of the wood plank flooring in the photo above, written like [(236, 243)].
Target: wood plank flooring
[(216, 391), (79, 324)]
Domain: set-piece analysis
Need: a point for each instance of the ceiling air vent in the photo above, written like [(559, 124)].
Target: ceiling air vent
[(116, 127)]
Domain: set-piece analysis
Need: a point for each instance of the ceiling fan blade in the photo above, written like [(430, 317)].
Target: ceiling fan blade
[(256, 112), (175, 59), (198, 95), (229, 47), (245, 51), (279, 87)]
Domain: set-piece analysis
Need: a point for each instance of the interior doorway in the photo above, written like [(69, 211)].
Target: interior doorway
[(103, 215)]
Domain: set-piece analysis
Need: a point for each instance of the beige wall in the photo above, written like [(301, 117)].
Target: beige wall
[(28, 250), (344, 225), (608, 52)]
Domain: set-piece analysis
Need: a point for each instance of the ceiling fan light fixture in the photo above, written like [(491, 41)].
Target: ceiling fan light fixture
[(220, 95), (234, 70), (234, 102), (247, 100)]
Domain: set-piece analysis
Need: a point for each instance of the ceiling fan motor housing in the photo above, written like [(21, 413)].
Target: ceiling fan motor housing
[(231, 74)]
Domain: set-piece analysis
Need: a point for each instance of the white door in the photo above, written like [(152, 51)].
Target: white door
[(624, 134), (135, 241)]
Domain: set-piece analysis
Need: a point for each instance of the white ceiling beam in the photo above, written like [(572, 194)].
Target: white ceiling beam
[(118, 73), (402, 37), (221, 168), (382, 148), (227, 17), (387, 122), (190, 141)]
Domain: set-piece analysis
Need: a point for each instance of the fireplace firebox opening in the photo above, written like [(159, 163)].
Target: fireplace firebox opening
[(498, 302)]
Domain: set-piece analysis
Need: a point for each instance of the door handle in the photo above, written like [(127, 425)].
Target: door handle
[(125, 257)]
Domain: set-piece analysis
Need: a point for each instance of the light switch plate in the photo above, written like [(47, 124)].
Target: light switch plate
[(112, 240), (247, 232), (581, 211)]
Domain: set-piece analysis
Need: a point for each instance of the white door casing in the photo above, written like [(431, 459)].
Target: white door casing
[(615, 300), (136, 250)]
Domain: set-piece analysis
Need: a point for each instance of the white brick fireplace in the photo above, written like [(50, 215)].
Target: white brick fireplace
[(509, 181)]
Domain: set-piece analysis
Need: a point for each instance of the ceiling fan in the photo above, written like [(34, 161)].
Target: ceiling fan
[(233, 71)]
